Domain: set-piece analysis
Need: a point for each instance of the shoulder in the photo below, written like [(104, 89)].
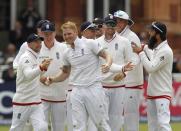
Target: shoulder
[(24, 57), (122, 38), (133, 37)]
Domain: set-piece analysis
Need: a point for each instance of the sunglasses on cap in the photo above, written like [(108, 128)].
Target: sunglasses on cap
[(110, 24)]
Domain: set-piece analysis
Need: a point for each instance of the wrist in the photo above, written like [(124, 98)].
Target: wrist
[(123, 71)]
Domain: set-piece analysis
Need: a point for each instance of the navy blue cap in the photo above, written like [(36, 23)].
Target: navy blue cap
[(40, 23), (34, 37), (98, 21), (110, 19), (48, 27), (159, 27), (87, 25)]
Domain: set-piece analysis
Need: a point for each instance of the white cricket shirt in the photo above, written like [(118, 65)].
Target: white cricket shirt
[(84, 62)]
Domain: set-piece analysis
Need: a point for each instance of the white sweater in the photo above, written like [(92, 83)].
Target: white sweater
[(56, 91), (134, 77), (121, 52), (159, 67), (27, 91)]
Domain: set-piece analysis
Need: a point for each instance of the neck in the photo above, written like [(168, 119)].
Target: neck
[(49, 45), (158, 42), (108, 36)]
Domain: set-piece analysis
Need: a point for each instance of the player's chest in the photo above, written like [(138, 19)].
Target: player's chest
[(80, 56)]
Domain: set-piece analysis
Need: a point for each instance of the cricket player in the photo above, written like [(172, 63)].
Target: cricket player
[(25, 45), (88, 31), (27, 101), (158, 63), (134, 78), (81, 62), (121, 51), (53, 97)]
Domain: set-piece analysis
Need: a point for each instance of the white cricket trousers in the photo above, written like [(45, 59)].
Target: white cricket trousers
[(158, 113), (69, 111), (116, 104), (90, 127), (34, 113), (89, 102), (55, 113), (131, 109)]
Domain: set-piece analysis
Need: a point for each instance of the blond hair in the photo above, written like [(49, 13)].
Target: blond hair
[(69, 25)]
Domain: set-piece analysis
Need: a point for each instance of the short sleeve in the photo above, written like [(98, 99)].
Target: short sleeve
[(95, 46), (66, 61)]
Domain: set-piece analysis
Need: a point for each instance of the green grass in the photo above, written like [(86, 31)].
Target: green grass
[(143, 127), (175, 127)]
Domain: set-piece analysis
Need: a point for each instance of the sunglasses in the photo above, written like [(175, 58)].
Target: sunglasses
[(110, 24), (99, 26)]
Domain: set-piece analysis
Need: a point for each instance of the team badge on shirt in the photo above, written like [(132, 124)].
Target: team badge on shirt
[(161, 58), (82, 51), (57, 55), (116, 46)]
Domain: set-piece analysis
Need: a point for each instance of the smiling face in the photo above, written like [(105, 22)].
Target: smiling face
[(121, 24), (69, 35)]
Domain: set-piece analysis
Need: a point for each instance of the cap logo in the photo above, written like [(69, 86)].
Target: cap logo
[(47, 26)]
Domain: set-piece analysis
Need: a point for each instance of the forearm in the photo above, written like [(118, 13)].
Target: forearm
[(60, 77), (63, 75), (32, 73)]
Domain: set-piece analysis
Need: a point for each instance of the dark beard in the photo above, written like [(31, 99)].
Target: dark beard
[(152, 42)]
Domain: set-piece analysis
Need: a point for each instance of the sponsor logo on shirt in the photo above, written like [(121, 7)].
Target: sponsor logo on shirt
[(116, 46), (27, 61), (57, 55), (161, 58)]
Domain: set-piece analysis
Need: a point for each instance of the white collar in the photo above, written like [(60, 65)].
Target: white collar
[(124, 30), (161, 44)]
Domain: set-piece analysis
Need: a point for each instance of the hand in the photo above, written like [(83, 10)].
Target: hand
[(119, 76), (46, 80), (45, 64), (135, 48), (105, 68), (43, 79), (128, 67)]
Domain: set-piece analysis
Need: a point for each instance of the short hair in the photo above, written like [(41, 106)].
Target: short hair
[(69, 25)]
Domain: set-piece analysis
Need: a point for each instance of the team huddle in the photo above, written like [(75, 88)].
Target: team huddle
[(92, 83)]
